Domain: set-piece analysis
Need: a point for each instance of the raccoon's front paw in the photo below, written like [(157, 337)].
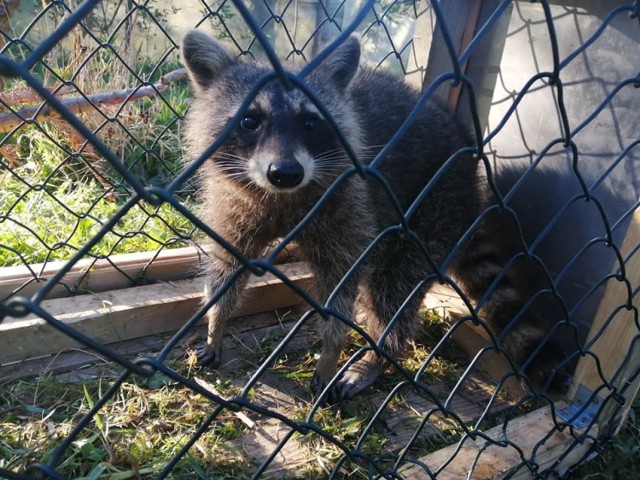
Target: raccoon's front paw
[(206, 355)]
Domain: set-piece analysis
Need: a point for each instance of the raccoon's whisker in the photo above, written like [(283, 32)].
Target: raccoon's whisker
[(231, 171), (342, 151), (228, 163), (343, 162), (333, 164), (344, 158), (231, 156), (265, 194)]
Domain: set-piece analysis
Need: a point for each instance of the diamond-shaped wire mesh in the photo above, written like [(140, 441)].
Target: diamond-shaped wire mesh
[(94, 184)]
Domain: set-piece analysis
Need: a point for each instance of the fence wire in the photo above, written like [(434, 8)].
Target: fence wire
[(91, 161)]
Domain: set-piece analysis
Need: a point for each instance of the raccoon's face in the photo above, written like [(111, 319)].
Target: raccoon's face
[(280, 143)]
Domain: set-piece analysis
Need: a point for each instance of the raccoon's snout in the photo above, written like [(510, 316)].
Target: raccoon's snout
[(287, 174)]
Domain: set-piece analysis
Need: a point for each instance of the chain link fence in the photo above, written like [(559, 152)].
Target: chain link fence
[(101, 242)]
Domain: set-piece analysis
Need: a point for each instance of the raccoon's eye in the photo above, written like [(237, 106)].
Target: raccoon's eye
[(310, 124), (249, 122)]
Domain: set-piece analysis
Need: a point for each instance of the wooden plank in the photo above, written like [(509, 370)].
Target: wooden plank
[(461, 18), (100, 275), (483, 66), (613, 346), (118, 271), (135, 312), (534, 434), (421, 45), (467, 35)]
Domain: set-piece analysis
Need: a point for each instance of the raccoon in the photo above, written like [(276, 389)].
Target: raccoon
[(282, 155)]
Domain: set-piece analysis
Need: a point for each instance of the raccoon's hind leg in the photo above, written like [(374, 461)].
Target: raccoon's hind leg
[(392, 282)]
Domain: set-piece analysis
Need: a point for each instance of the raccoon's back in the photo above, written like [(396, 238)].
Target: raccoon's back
[(383, 103)]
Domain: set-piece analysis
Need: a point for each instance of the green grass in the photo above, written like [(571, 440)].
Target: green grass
[(133, 435), (52, 206), (57, 192)]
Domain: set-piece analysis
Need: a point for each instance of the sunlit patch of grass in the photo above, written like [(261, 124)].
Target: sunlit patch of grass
[(52, 207), (133, 434), (58, 191)]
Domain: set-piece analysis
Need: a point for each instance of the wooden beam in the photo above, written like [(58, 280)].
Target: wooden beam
[(100, 275), (78, 359), (421, 45), (135, 312), (85, 103), (616, 338), (537, 439), (464, 19), (483, 66), (461, 18), (118, 271)]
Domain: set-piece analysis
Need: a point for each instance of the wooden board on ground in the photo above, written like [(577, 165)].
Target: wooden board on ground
[(136, 312), (116, 272), (84, 363), (92, 275), (533, 437)]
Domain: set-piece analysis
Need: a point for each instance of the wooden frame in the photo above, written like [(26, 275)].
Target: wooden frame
[(617, 341)]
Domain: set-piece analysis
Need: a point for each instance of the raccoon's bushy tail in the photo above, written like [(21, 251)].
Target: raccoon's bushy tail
[(515, 296)]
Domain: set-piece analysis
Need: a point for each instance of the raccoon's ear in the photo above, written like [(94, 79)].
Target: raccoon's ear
[(342, 64), (204, 58)]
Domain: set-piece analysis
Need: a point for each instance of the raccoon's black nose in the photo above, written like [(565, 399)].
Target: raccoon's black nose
[(285, 174)]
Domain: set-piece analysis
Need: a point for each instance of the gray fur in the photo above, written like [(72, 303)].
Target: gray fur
[(250, 211)]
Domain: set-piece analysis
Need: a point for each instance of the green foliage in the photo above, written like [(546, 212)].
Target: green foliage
[(52, 204)]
